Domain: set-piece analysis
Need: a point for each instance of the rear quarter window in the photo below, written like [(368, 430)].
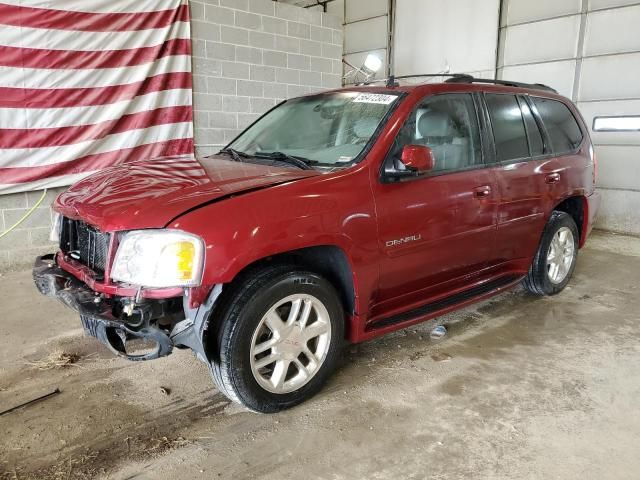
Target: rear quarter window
[(563, 129), (508, 127)]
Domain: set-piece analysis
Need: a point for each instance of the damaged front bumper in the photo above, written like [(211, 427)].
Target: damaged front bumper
[(101, 318)]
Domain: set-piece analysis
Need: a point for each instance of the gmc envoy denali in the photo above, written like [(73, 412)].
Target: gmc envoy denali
[(335, 216)]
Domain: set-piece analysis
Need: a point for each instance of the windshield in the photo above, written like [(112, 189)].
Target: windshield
[(329, 129)]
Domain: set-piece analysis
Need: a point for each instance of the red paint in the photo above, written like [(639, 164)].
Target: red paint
[(53, 137), (149, 194), (90, 96), (59, 19), (96, 161), (407, 243), (83, 59), (86, 275)]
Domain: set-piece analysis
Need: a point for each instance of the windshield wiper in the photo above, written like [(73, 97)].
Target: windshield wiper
[(237, 155), (300, 162)]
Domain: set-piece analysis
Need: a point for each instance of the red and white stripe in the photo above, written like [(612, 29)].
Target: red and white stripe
[(87, 84)]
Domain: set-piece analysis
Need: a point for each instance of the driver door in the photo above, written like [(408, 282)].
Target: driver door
[(438, 227)]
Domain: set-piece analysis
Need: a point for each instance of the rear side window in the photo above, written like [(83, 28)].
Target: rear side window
[(508, 127), (536, 145), (564, 133)]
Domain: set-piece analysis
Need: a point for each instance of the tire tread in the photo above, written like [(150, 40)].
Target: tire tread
[(536, 279)]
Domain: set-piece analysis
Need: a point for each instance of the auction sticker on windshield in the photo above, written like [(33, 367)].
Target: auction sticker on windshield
[(375, 98)]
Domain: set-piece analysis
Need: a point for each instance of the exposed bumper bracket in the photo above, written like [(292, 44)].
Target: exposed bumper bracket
[(97, 315)]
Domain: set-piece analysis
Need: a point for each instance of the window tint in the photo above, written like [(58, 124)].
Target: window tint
[(508, 127), (564, 132), (536, 145), (449, 126)]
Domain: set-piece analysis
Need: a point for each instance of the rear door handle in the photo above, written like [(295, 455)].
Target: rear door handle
[(483, 191), (552, 178)]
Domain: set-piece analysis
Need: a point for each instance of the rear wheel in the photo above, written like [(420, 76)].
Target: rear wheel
[(555, 259), (279, 339)]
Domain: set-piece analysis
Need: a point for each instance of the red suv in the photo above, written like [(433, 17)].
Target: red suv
[(337, 216)]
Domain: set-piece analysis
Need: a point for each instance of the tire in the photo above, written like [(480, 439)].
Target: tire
[(245, 327), (543, 277)]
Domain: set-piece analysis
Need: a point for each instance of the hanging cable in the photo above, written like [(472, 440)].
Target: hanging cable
[(26, 215)]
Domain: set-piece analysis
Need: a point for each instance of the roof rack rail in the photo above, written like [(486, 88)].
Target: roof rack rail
[(509, 83), (392, 81)]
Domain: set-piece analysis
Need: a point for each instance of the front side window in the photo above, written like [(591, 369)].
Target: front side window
[(508, 127), (447, 124), (564, 133), (329, 129)]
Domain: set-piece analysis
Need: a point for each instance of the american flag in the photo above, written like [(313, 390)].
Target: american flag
[(86, 84)]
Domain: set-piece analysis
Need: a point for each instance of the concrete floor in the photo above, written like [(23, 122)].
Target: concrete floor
[(522, 387)]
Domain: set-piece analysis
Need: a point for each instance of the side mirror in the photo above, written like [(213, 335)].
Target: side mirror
[(418, 158), (414, 161)]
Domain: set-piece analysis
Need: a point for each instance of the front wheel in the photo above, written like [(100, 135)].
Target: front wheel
[(555, 259), (279, 339)]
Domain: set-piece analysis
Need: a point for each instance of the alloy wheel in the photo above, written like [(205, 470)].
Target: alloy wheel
[(560, 255), (290, 343)]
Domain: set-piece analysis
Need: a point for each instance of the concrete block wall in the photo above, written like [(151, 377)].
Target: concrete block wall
[(19, 247), (248, 55)]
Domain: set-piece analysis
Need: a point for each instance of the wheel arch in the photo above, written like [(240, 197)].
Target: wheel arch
[(576, 206), (330, 261)]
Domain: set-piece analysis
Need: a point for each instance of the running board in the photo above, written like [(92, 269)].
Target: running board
[(447, 302)]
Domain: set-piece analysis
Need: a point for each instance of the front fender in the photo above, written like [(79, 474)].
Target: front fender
[(335, 210)]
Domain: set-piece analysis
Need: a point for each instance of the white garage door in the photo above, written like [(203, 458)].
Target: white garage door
[(589, 50)]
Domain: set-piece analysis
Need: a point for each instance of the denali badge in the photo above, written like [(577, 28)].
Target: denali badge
[(402, 241)]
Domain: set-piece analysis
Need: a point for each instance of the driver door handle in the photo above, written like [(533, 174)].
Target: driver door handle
[(552, 178), (482, 192)]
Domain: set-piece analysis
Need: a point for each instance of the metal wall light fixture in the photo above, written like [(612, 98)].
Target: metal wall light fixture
[(372, 64)]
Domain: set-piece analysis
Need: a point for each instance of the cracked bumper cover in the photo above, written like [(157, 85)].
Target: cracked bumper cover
[(96, 314)]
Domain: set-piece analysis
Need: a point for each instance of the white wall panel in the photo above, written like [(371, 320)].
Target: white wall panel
[(366, 35), (619, 211), (618, 166), (558, 75), (610, 77), (542, 41), (519, 11), (607, 72), (359, 9), (482, 73), (590, 110), (598, 4), (433, 34), (612, 31)]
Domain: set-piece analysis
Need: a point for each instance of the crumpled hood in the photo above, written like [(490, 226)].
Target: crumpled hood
[(151, 193)]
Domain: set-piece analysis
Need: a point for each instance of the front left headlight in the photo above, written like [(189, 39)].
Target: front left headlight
[(159, 259)]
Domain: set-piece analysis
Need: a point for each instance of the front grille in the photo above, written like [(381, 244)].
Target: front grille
[(84, 243)]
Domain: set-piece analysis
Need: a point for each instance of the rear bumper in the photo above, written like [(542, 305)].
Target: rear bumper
[(96, 312)]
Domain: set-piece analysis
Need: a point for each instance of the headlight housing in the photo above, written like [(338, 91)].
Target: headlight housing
[(159, 259)]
